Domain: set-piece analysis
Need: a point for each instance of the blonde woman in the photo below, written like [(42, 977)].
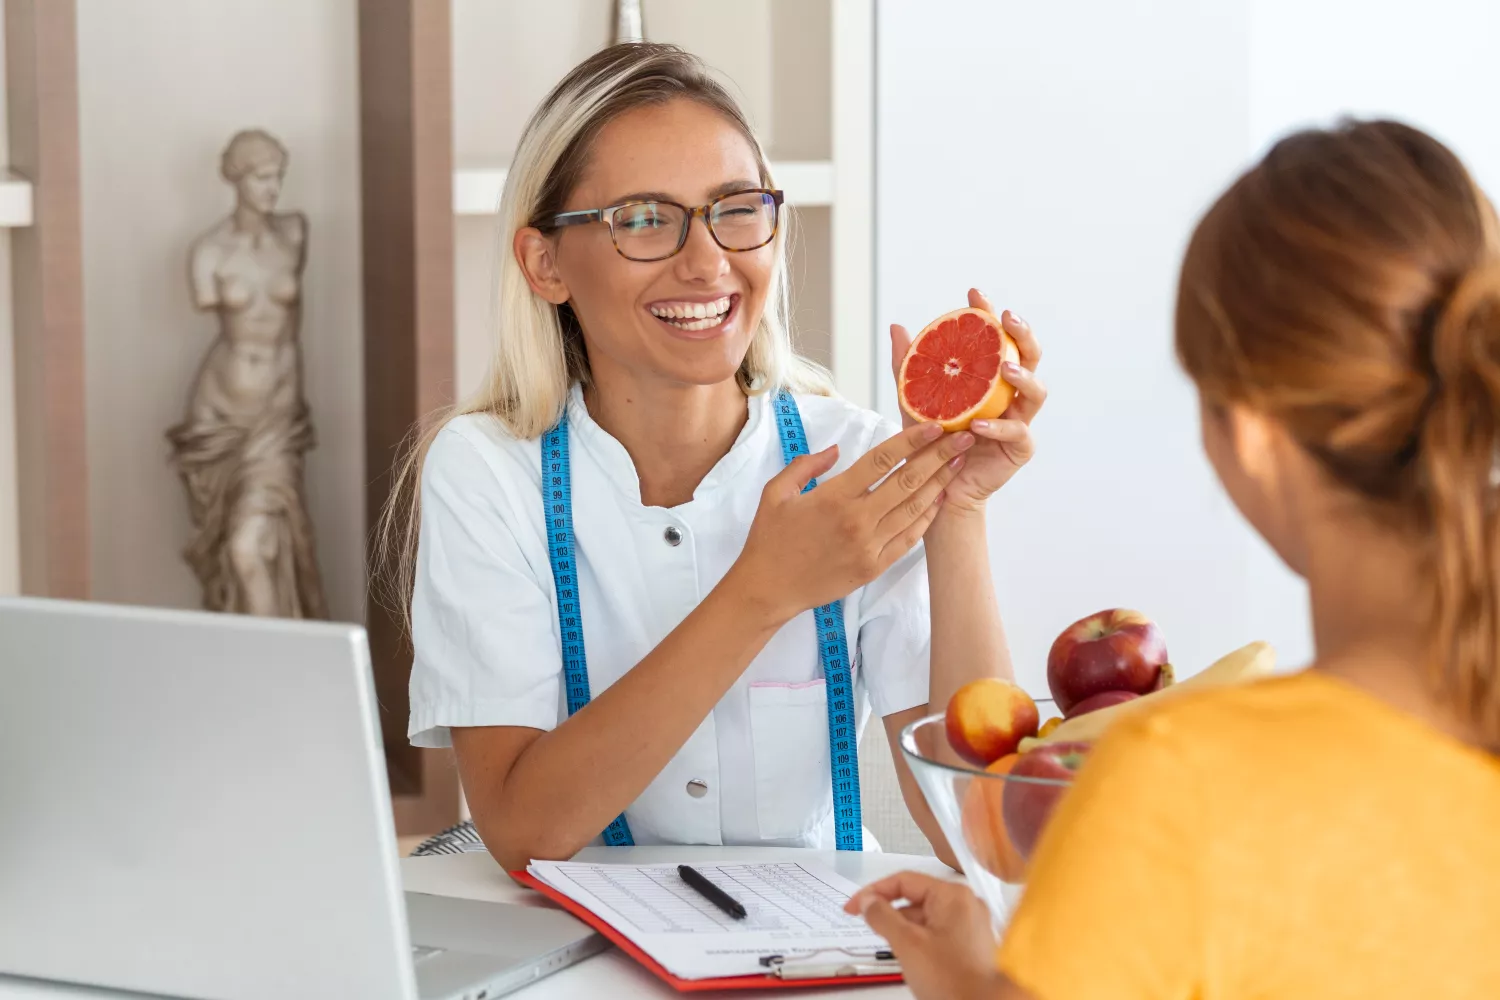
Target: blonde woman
[(1336, 833), (631, 618)]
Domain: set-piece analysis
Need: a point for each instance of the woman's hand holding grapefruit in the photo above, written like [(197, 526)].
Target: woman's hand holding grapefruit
[(807, 549), (959, 377)]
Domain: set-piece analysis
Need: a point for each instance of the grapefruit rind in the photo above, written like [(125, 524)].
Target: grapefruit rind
[(995, 394)]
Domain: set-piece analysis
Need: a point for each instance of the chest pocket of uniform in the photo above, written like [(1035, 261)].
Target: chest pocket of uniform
[(789, 727)]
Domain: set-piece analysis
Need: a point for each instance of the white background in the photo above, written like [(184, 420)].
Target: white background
[(1057, 156)]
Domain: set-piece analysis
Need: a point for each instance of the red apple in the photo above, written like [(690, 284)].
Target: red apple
[(1103, 699), (1026, 805), (987, 719), (1116, 650)]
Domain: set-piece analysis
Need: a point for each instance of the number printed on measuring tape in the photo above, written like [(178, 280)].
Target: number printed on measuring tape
[(833, 651)]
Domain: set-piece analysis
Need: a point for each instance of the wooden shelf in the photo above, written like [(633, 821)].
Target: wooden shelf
[(476, 191), (15, 201)]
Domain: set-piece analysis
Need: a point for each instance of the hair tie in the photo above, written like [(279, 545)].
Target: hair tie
[(1453, 316)]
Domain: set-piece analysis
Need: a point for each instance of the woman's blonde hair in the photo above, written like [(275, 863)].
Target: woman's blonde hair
[(1349, 286), (538, 347)]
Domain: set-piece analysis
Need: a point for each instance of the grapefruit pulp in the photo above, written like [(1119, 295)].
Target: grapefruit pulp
[(951, 373)]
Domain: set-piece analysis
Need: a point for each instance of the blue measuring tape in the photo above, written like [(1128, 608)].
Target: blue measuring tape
[(557, 500), (833, 644), (833, 650)]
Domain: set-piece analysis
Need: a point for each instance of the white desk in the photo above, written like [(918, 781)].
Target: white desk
[(612, 974)]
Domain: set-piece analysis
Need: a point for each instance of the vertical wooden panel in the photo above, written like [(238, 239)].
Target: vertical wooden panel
[(41, 51), (406, 156)]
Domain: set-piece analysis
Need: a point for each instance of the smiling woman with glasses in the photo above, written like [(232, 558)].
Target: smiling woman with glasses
[(634, 618)]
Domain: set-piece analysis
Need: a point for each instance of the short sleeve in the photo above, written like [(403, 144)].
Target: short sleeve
[(1113, 901), (486, 651), (895, 628)]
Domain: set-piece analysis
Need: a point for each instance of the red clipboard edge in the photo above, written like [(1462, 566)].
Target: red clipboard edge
[(688, 985)]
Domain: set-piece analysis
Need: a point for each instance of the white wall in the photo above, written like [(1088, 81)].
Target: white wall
[(163, 85), (1432, 64), (1058, 159)]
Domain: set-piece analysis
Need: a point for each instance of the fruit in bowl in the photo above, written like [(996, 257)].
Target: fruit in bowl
[(1004, 813), (984, 824), (1249, 662), (1115, 650), (988, 718), (970, 803), (1104, 699), (1036, 784), (994, 813)]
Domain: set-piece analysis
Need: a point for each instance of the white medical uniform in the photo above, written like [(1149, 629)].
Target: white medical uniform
[(485, 617)]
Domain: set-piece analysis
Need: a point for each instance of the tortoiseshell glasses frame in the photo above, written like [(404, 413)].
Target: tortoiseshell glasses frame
[(643, 230)]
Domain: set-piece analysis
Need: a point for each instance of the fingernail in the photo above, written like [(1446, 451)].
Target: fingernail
[(1017, 320), (942, 495), (1010, 368), (957, 463), (865, 902), (932, 431), (963, 441), (980, 425)]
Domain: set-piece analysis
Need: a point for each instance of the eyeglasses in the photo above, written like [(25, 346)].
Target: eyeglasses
[(655, 230)]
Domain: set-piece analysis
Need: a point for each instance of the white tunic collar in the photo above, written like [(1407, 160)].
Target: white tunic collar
[(614, 460)]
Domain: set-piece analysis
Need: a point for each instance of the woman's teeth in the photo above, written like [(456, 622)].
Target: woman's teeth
[(693, 315)]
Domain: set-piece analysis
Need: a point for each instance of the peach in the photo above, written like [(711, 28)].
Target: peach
[(988, 719)]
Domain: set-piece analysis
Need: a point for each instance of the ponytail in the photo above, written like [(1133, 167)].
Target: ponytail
[(1348, 286), (1460, 469)]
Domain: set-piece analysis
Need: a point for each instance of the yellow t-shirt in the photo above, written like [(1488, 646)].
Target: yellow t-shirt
[(1292, 838)]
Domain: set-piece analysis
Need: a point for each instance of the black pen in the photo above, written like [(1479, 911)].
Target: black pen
[(711, 892)]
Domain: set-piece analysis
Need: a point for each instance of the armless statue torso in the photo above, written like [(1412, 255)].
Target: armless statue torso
[(241, 446)]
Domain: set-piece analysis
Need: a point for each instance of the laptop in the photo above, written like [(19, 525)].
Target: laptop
[(196, 805)]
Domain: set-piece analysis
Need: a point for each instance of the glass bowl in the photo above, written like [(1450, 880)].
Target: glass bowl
[(972, 805)]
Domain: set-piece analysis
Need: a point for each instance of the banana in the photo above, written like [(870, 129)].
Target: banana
[(1256, 659)]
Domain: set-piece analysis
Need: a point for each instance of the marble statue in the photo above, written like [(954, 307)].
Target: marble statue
[(240, 447)]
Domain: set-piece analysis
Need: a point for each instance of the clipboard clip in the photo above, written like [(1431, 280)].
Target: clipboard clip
[(810, 964)]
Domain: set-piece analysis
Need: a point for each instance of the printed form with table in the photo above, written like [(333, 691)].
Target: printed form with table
[(794, 927)]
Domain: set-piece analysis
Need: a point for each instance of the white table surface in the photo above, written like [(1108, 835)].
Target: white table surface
[(612, 974)]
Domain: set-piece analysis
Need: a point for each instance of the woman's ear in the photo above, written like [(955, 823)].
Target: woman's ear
[(1258, 444), (1244, 448), (537, 255)]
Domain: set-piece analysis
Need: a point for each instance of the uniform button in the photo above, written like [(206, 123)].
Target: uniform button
[(673, 536), (697, 788)]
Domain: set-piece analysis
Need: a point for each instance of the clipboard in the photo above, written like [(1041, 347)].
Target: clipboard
[(757, 982)]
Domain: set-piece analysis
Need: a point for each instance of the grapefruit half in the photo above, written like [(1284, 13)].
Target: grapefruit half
[(951, 373)]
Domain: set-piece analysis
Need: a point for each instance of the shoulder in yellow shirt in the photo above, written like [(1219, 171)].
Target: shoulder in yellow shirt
[(1293, 838)]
